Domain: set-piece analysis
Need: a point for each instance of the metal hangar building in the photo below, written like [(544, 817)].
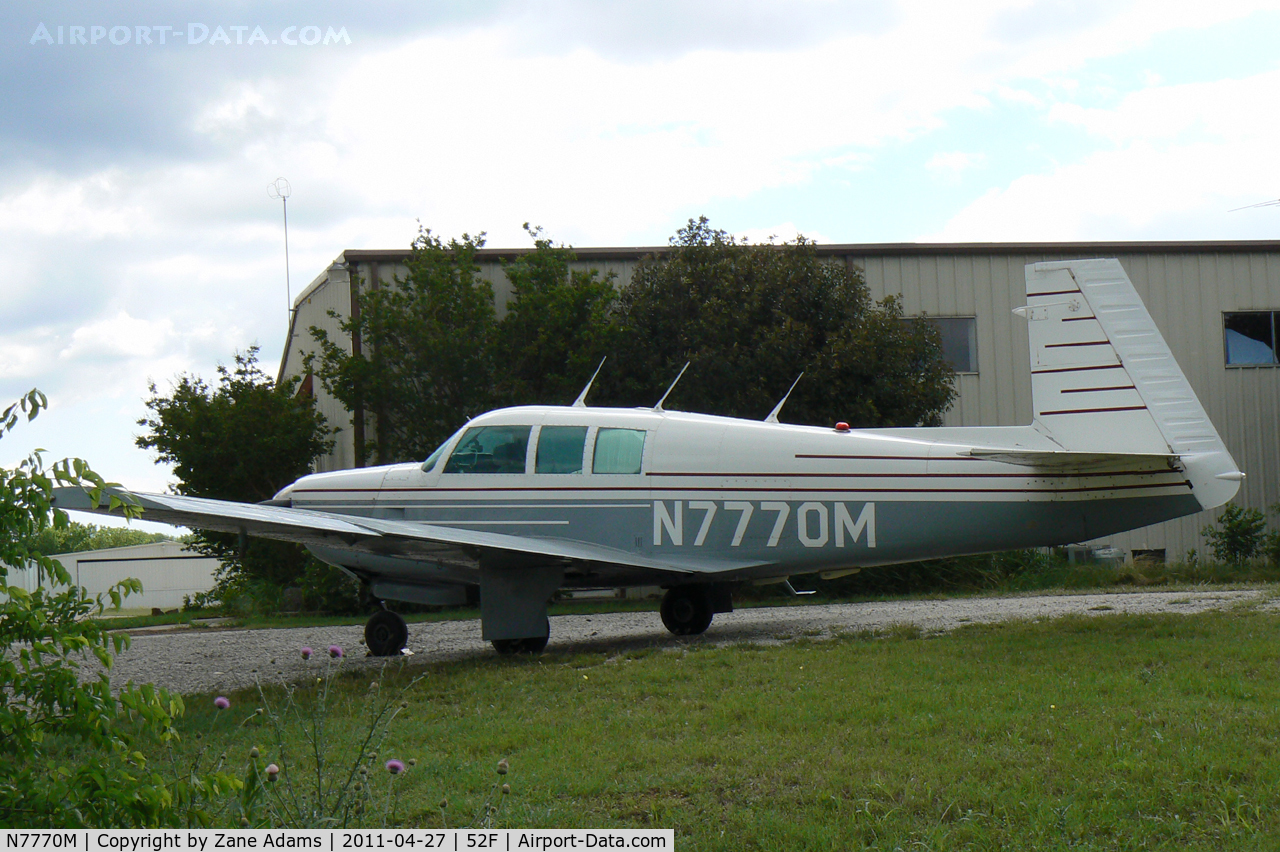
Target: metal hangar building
[(1217, 303)]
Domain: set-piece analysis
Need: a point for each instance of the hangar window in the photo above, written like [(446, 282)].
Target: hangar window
[(490, 449), (1249, 338), (959, 340), (560, 449), (618, 451)]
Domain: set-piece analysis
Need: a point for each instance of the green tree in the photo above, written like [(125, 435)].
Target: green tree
[(432, 352), (558, 325), (242, 440), (424, 362), (70, 751), (750, 318), (77, 537)]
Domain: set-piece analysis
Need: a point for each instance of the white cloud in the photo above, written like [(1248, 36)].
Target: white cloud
[(120, 336), (1179, 158), (952, 163), (1230, 110), (1139, 192), (786, 232), (89, 208), (23, 357)]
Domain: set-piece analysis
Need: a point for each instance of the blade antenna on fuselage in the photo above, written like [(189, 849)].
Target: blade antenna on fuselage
[(773, 415), (658, 407), (581, 401)]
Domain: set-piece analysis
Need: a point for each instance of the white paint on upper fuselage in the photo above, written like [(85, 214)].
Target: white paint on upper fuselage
[(686, 455)]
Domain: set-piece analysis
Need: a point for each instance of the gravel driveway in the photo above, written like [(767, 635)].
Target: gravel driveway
[(207, 660)]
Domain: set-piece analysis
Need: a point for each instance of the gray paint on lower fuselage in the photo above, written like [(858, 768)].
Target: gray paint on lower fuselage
[(904, 531)]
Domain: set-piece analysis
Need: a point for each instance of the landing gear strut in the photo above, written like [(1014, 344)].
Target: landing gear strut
[(529, 645), (385, 633)]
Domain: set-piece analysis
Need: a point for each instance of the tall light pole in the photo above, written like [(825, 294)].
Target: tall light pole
[(279, 188)]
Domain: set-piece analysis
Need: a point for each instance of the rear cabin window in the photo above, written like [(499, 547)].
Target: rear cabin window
[(560, 449), (490, 449), (618, 451)]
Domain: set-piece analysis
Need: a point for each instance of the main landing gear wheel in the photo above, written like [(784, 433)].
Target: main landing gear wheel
[(686, 610), (529, 645), (385, 633)]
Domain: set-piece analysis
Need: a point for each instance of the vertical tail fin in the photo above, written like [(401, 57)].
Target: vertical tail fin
[(1103, 378)]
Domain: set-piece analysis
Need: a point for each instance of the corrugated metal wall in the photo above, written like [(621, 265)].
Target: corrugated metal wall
[(1186, 292), (330, 291), (1186, 288)]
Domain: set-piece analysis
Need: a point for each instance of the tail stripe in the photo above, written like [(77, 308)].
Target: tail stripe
[(1098, 390), (1077, 369)]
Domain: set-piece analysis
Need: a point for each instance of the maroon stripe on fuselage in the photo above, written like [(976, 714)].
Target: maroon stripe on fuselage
[(1096, 410), (741, 489)]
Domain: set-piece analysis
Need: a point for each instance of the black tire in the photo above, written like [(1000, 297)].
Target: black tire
[(528, 645), (686, 611), (386, 634)]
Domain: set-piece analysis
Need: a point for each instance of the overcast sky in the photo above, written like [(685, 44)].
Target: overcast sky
[(139, 241)]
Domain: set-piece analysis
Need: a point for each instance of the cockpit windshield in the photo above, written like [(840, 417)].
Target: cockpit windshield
[(430, 464)]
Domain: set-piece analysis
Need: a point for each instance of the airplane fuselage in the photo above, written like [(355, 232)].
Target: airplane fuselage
[(749, 500)]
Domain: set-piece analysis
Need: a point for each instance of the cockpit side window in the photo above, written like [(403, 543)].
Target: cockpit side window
[(490, 449), (618, 451), (560, 449)]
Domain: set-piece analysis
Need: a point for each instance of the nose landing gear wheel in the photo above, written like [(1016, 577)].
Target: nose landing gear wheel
[(386, 634), (686, 610)]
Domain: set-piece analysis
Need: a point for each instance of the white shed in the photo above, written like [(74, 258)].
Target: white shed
[(167, 570)]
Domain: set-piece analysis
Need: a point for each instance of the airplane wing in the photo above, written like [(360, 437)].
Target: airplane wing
[(409, 539)]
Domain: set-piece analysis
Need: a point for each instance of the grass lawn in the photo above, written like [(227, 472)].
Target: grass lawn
[(1112, 732)]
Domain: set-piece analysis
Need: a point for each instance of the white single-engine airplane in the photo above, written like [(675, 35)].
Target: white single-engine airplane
[(525, 501)]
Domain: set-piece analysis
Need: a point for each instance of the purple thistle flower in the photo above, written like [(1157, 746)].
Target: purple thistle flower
[(272, 771), (306, 653), (395, 767), (335, 651), (221, 702)]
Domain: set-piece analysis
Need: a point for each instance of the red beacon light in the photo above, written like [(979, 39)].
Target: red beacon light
[(842, 426)]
